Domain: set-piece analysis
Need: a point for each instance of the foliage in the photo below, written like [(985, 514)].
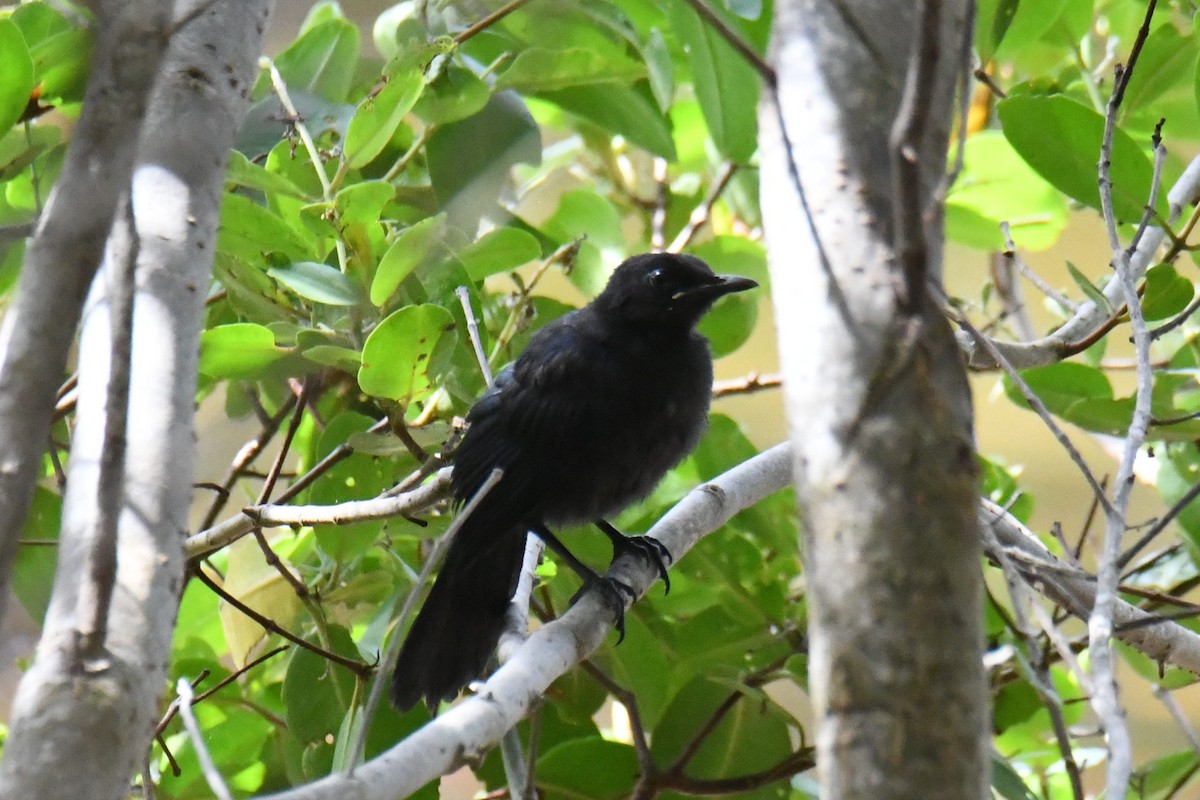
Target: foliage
[(560, 139)]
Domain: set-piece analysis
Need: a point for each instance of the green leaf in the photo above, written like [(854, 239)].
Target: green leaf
[(539, 69), (379, 115), (591, 216), (1060, 139), (322, 60), (992, 20), (619, 110), (456, 93), (16, 66), (1079, 394), (732, 320), (1168, 777), (1023, 26), (251, 231), (1088, 288), (357, 477), (725, 84), (239, 350), (1167, 292), (751, 737), (363, 203), (1008, 783), (396, 354), (244, 172), (660, 69), (996, 185), (597, 769), (398, 29), (320, 283), (501, 250), (33, 570), (1168, 61), (411, 247), (469, 160), (317, 692), (329, 355)]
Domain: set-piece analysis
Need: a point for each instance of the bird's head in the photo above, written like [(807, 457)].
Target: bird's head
[(666, 289)]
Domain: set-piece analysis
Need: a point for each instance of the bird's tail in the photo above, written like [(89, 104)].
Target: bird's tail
[(451, 639)]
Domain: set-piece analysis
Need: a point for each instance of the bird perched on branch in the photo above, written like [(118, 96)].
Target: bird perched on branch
[(597, 408)]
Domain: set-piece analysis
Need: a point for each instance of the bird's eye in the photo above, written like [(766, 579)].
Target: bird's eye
[(657, 277)]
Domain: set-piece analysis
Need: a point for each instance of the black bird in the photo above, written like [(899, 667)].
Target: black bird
[(597, 408)]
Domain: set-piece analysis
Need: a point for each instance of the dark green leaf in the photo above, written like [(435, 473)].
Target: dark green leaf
[(469, 160), (396, 354), (322, 60), (359, 477), (1060, 139), (660, 69), (1008, 783), (1093, 293), (33, 571), (619, 110), (318, 282), (726, 85), (317, 692), (751, 737), (597, 769)]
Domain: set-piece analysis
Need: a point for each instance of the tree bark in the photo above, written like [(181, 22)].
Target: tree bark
[(80, 727), (876, 392), (66, 249)]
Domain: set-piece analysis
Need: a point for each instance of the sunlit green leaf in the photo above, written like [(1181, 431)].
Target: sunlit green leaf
[(379, 115), (396, 354)]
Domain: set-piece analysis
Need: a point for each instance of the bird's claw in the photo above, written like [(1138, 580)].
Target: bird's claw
[(650, 549), (613, 593)]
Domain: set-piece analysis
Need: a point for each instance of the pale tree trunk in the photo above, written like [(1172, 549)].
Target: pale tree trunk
[(66, 249), (84, 712), (876, 393)]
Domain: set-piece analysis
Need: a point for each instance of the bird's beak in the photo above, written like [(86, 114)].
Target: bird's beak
[(721, 286)]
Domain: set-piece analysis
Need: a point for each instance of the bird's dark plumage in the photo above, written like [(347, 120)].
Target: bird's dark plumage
[(597, 408)]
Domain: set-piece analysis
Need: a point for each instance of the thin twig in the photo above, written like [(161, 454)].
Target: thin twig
[(357, 667), (1031, 276), (464, 297), (490, 20), (748, 384), (702, 212), (211, 775), (1035, 403), (1100, 622)]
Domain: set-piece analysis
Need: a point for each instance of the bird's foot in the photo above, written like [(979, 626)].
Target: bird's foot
[(649, 548), (613, 592)]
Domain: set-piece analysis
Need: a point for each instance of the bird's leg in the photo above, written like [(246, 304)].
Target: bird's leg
[(647, 547), (613, 590)]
